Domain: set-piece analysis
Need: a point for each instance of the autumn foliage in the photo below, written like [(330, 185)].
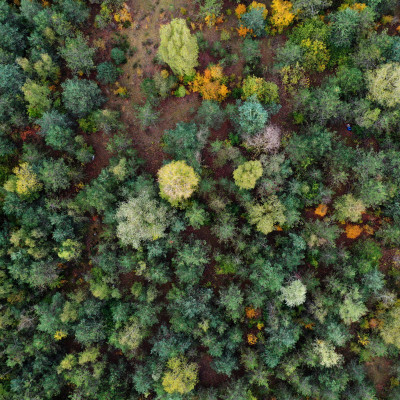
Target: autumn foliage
[(211, 84), (321, 210), (281, 15), (353, 231)]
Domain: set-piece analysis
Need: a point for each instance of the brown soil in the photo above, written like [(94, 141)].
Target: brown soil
[(378, 370), (208, 377)]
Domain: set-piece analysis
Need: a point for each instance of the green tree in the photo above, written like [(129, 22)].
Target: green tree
[(78, 55), (294, 294), (384, 85), (181, 376), (38, 98), (390, 329), (70, 250), (246, 175), (107, 73), (177, 182), (352, 308), (347, 207), (232, 300), (267, 214), (55, 174), (178, 48), (80, 97), (141, 218)]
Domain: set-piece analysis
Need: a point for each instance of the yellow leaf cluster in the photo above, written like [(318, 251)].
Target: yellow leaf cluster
[(356, 6), (60, 335), (251, 339), (27, 181), (211, 85), (123, 16), (281, 14), (261, 6), (250, 312)]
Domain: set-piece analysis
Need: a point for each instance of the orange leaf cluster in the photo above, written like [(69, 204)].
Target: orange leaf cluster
[(321, 210), (251, 339), (353, 231), (240, 10), (250, 312), (243, 31), (211, 85), (123, 16)]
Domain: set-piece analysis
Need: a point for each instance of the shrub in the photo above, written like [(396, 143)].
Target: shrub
[(246, 175), (181, 376), (118, 56), (267, 214), (78, 55), (80, 97), (177, 182), (107, 73), (140, 219), (178, 48), (146, 114), (348, 208), (294, 294)]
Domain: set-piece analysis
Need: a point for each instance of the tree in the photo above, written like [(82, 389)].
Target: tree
[(70, 250), (384, 85), (107, 72), (25, 181), (38, 97), (210, 114), (266, 92), (80, 97), (181, 376), (316, 55), (78, 55), (118, 55), (267, 214), (281, 15), (177, 182), (294, 294), (352, 308), (254, 20), (178, 48), (347, 207), (390, 328), (55, 174), (232, 299), (268, 140), (185, 142), (327, 356), (246, 175), (310, 8), (141, 218)]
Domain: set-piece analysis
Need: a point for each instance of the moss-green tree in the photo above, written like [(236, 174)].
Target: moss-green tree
[(246, 175), (177, 182), (178, 48)]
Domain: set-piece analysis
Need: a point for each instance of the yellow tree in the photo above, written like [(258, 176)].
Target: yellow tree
[(177, 182), (181, 376), (24, 182), (281, 15)]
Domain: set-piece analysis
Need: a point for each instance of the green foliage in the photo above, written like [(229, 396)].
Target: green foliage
[(352, 308), (141, 218), (254, 19), (294, 294), (247, 174), (38, 98), (232, 300), (70, 250), (390, 329), (210, 114), (107, 73), (146, 115), (266, 92), (55, 175), (266, 215), (78, 55), (118, 55), (80, 97), (347, 207), (178, 48), (383, 84)]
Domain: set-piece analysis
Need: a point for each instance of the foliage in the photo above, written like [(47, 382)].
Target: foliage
[(78, 55), (178, 48), (246, 174), (141, 218), (281, 15), (266, 92), (294, 294), (177, 182), (107, 73), (211, 85), (347, 207), (181, 376), (266, 215), (80, 97)]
